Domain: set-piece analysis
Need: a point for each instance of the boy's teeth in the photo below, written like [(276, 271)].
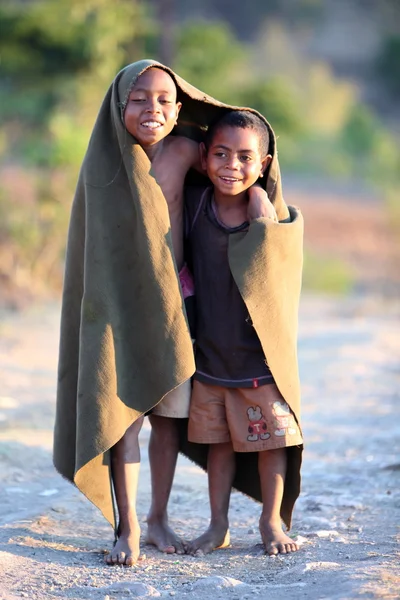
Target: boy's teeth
[(151, 124)]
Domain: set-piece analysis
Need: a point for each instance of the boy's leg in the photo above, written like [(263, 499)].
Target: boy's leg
[(221, 472), (272, 470), (125, 464), (163, 454)]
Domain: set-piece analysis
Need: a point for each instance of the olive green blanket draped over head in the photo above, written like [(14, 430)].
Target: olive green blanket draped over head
[(124, 339)]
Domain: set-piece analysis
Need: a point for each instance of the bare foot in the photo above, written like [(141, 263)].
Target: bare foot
[(216, 536), (126, 550), (275, 540), (160, 535)]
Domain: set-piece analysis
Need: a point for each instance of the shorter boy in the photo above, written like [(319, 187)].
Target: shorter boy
[(236, 405)]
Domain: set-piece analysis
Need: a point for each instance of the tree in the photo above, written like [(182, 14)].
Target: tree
[(211, 58)]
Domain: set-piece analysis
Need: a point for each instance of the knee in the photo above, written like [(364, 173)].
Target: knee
[(129, 441), (275, 456), (165, 425), (164, 431), (133, 430), (136, 425)]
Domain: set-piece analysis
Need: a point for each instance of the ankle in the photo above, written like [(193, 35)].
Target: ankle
[(128, 523), (157, 517), (129, 529), (219, 522), (270, 522)]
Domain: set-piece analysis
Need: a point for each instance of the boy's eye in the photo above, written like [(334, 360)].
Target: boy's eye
[(245, 158), (137, 99), (220, 154), (164, 101)]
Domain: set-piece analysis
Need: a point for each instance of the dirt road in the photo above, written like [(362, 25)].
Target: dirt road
[(347, 517)]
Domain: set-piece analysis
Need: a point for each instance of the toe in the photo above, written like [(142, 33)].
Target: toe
[(277, 548), (169, 549), (121, 558), (129, 562), (180, 547), (189, 549)]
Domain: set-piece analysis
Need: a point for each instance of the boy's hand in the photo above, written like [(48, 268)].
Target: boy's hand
[(259, 205)]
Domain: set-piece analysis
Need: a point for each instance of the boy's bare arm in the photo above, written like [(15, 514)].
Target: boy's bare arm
[(259, 204), (190, 152)]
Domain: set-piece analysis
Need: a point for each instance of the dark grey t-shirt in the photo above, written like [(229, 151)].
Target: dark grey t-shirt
[(228, 350)]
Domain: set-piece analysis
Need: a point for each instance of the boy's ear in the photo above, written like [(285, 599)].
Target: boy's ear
[(203, 156), (178, 108), (264, 164)]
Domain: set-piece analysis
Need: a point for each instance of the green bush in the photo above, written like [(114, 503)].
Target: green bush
[(387, 65), (276, 100), (211, 58)]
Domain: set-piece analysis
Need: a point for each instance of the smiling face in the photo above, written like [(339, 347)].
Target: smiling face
[(233, 161), (152, 110)]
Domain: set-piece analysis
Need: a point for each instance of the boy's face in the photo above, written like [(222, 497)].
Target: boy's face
[(152, 111), (233, 161)]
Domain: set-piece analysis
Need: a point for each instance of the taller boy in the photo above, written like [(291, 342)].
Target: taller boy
[(150, 115), (124, 341)]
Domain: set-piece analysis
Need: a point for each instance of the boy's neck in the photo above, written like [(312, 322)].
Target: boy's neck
[(230, 202), (231, 210), (154, 151)]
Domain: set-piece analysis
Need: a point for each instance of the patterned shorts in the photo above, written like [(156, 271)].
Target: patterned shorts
[(253, 419)]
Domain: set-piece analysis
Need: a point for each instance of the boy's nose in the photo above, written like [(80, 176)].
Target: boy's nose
[(232, 163), (152, 106)]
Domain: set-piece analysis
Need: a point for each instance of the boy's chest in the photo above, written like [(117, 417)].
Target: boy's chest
[(210, 243), (170, 178)]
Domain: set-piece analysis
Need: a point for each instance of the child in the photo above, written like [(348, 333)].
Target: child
[(236, 404), (150, 114), (125, 345)]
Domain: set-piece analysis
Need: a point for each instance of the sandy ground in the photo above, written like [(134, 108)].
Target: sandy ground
[(52, 539)]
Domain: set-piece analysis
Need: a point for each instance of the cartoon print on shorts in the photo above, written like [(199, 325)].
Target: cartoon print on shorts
[(284, 420), (258, 426)]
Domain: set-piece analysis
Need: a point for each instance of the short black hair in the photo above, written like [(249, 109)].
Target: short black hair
[(244, 119)]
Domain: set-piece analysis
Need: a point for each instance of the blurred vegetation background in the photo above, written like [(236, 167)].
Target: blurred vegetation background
[(326, 74)]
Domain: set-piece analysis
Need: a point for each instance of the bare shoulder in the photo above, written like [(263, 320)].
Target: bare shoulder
[(186, 148)]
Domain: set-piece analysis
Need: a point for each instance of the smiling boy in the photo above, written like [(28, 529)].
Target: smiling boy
[(150, 114), (235, 400)]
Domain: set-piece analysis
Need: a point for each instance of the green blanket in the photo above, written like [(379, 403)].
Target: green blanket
[(124, 338)]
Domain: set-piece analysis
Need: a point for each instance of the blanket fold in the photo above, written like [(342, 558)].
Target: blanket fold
[(124, 340)]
